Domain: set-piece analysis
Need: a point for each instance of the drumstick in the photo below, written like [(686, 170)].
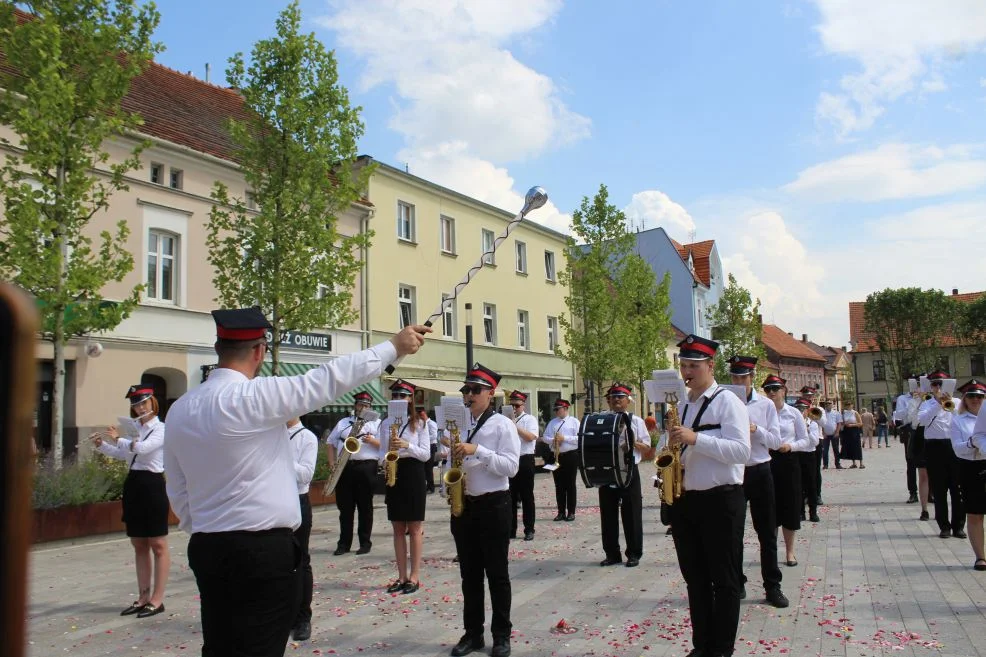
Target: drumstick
[(535, 198)]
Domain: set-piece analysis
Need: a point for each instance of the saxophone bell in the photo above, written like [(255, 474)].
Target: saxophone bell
[(455, 477), (671, 473)]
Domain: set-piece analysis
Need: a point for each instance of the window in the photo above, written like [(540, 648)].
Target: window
[(489, 323), (521, 257), (157, 173), (488, 241), (552, 333), (405, 221), (251, 200), (977, 364), (405, 303), (448, 316), (325, 290), (176, 178), (446, 227), (161, 253), (879, 370), (549, 265), (942, 363), (523, 330)]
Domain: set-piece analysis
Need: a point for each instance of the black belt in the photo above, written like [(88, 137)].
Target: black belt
[(488, 497), (362, 461), (245, 532), (760, 466), (725, 488)]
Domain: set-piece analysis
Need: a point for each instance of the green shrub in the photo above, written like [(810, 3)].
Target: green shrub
[(95, 479), (321, 465)]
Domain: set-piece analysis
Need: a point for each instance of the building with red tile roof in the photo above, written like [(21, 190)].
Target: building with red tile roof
[(795, 360)]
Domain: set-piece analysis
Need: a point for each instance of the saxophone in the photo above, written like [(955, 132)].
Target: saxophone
[(350, 446), (390, 458), (668, 461), (455, 478)]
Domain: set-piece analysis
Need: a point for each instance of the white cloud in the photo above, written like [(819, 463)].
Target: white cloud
[(464, 99), (896, 43), (653, 208), (893, 171)]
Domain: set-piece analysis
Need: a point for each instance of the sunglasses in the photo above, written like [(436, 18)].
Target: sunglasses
[(399, 395), (769, 389), (472, 390), (517, 404)]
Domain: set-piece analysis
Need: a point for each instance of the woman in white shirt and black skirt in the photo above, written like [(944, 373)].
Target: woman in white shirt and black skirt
[(145, 500), (970, 450), (406, 498)]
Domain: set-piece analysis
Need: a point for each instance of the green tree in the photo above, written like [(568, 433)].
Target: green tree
[(908, 325), (737, 327), (973, 322), (644, 329), (297, 151), (596, 257), (75, 60)]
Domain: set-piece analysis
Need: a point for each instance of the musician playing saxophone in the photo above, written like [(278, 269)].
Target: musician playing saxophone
[(758, 480), (715, 439), (406, 498), (563, 432), (490, 454), (624, 503), (354, 491)]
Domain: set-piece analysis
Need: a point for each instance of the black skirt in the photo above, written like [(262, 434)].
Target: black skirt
[(145, 504), (972, 475), (915, 448), (852, 445), (786, 471), (406, 499)]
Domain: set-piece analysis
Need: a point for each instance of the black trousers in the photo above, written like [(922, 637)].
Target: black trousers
[(303, 534), (566, 495), (522, 493), (811, 481), (833, 442), (912, 471), (481, 536), (248, 591), (430, 470), (626, 504), (758, 488), (705, 527), (943, 479), (354, 493)]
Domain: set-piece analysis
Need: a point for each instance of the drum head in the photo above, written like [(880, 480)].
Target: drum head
[(606, 450)]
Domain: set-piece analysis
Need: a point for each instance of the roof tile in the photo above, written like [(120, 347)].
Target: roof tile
[(784, 346)]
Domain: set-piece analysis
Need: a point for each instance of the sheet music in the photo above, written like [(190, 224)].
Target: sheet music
[(925, 384), (455, 411), (948, 387), (739, 391), (397, 408), (663, 382), (129, 427), (912, 385), (507, 411)]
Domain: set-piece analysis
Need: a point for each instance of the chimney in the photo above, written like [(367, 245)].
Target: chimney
[(208, 70), (955, 291), (844, 348), (804, 337), (791, 334)]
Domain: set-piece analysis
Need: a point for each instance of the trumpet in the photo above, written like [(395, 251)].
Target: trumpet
[(816, 413), (947, 403)]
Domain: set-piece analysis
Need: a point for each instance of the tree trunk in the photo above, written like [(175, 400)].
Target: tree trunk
[(58, 398), (275, 350)]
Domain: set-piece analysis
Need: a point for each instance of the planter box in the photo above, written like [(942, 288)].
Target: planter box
[(316, 496), (67, 522)]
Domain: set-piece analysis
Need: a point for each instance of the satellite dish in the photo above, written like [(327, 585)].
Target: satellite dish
[(94, 350)]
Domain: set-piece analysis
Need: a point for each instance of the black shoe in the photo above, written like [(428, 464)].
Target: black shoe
[(924, 516), (340, 551), (776, 598), (363, 549), (912, 498), (302, 631), (610, 561), (570, 517), (958, 533), (698, 652), (803, 519), (632, 562), (742, 591), (134, 608), (501, 648), (396, 587), (529, 536), (560, 516), (513, 536), (467, 644), (825, 467), (819, 502), (944, 534), (814, 518), (150, 610), (410, 587)]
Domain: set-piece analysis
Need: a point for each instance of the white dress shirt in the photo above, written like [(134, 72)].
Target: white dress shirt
[(343, 428), (794, 431), (979, 432), (148, 447), (230, 465), (831, 422), (963, 428), (937, 422), (568, 427), (719, 455), (418, 447), (527, 422), (305, 454), (900, 408), (496, 458), (851, 417), (432, 428), (762, 413), (640, 433)]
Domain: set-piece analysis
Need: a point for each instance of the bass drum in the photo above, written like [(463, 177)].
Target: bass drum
[(606, 448)]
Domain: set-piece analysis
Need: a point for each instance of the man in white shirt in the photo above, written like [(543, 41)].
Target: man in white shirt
[(758, 481), (563, 432), (943, 466), (490, 453), (305, 454), (715, 439), (832, 426), (432, 429), (903, 428), (354, 489), (232, 482), (522, 484)]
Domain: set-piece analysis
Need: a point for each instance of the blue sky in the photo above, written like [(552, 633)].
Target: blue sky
[(830, 148)]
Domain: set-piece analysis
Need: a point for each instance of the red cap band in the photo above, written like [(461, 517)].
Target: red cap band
[(480, 374), (240, 334)]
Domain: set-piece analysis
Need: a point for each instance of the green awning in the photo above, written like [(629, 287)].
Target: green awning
[(343, 401)]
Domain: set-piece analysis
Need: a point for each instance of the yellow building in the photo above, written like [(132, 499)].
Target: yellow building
[(427, 237)]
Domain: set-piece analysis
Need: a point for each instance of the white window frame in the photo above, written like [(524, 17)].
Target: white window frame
[(176, 178), (449, 316), (156, 292), (524, 329), (157, 170), (520, 251), (489, 323), (406, 299), (550, 271), (487, 240), (165, 219), (446, 242), (406, 230), (552, 333)]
